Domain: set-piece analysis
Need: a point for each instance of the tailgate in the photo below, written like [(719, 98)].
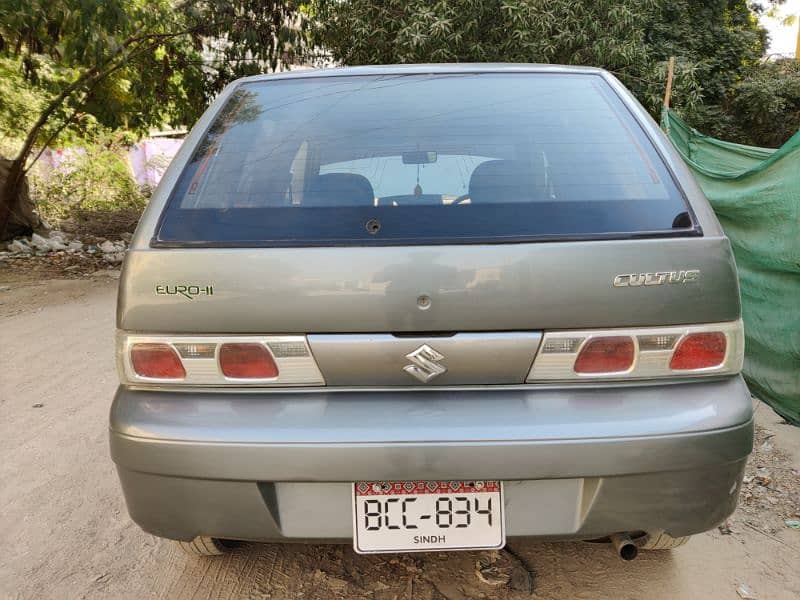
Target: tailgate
[(445, 289)]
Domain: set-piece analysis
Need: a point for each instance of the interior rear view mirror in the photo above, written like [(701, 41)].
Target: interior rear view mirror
[(419, 157)]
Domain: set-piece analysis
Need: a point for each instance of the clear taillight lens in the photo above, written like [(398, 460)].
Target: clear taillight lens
[(609, 354), (156, 361), (699, 351), (640, 353), (247, 361)]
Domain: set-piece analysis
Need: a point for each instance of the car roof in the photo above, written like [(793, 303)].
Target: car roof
[(425, 69)]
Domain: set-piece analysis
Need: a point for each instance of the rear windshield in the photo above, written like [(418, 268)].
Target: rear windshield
[(421, 159)]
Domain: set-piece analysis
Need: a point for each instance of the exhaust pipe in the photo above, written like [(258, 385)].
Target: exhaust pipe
[(624, 546)]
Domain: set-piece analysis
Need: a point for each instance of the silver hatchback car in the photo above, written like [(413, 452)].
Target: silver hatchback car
[(428, 308)]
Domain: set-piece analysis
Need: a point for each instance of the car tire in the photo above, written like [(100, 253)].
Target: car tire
[(662, 541), (203, 546)]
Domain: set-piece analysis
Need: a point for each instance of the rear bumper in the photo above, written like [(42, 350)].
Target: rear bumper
[(577, 462)]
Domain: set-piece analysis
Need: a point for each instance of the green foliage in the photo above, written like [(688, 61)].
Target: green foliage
[(184, 52), (608, 33), (247, 37), (739, 93), (720, 38), (720, 84), (22, 101), (718, 45), (164, 86), (95, 186), (765, 104), (55, 40)]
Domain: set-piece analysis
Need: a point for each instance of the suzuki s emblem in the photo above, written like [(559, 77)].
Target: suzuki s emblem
[(426, 363)]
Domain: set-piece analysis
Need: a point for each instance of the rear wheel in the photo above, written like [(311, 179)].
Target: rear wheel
[(662, 541), (204, 546)]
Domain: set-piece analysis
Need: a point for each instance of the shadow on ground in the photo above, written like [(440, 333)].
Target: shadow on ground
[(559, 570)]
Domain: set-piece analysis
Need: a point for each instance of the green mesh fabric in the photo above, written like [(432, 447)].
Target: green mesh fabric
[(755, 193)]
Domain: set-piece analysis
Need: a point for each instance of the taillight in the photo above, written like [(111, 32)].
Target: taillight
[(216, 360), (699, 351), (640, 353), (247, 361), (156, 361), (609, 354)]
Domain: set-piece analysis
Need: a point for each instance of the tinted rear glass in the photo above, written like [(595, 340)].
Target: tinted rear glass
[(421, 159)]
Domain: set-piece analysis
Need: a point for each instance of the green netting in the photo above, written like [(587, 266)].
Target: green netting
[(756, 195)]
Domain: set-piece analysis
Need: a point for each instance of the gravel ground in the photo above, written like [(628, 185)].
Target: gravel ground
[(67, 534)]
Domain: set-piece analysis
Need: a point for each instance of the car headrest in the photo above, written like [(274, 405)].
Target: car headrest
[(502, 181), (339, 189)]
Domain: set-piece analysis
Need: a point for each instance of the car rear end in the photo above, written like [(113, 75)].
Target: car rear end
[(364, 291)]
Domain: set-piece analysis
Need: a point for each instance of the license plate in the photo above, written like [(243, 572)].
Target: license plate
[(420, 516)]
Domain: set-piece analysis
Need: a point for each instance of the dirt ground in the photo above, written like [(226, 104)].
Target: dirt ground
[(66, 533)]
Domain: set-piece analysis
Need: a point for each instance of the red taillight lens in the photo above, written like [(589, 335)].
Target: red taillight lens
[(699, 351), (158, 361), (247, 361), (612, 354)]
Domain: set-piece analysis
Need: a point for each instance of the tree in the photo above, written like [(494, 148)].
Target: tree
[(137, 63), (716, 42), (247, 37), (608, 33), (764, 106), (721, 40), (100, 40)]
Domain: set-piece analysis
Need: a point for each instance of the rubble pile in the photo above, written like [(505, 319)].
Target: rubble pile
[(58, 251), (58, 241)]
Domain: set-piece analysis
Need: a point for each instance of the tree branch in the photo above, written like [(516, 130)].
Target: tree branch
[(88, 89), (90, 78), (49, 141)]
